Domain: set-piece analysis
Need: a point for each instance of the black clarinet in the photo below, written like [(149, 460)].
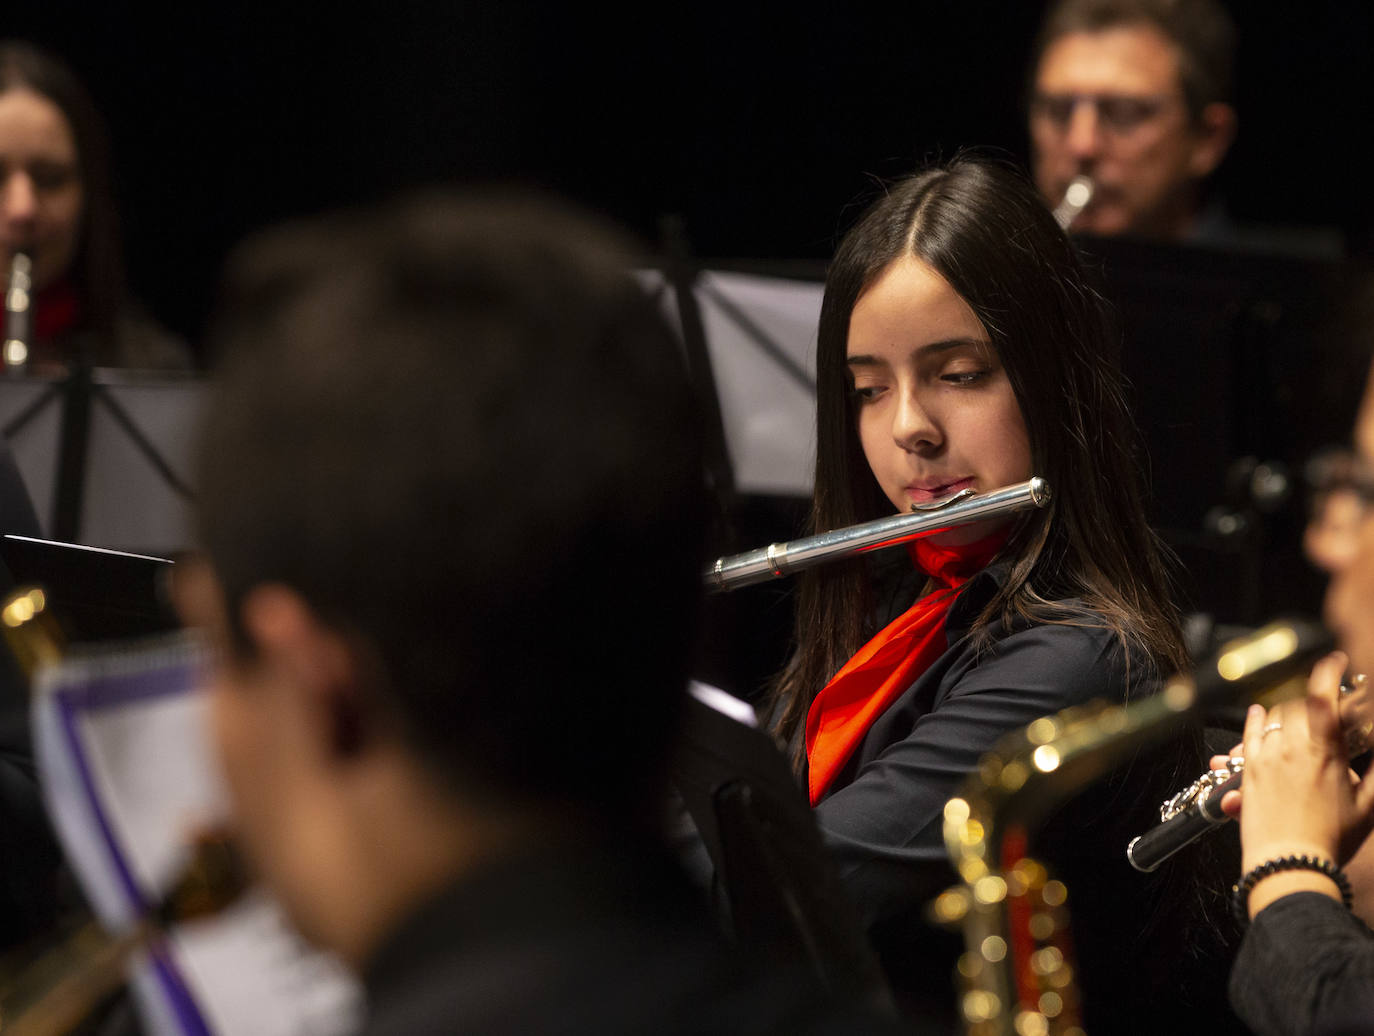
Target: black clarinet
[(1187, 816)]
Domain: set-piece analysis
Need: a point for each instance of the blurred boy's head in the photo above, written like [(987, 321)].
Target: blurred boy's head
[(451, 497)]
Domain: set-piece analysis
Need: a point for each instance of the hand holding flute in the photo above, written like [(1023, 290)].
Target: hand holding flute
[(1300, 796), (1356, 708), (1214, 798)]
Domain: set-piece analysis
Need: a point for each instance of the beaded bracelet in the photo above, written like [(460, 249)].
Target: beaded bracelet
[(1240, 891)]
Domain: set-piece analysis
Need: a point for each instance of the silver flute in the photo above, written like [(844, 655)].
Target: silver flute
[(1076, 198), (782, 559), (18, 312)]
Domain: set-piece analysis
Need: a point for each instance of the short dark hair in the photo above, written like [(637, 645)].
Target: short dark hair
[(459, 429), (1201, 30), (981, 226), (98, 269)]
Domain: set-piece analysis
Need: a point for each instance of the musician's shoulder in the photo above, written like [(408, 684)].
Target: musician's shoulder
[(590, 938), (1070, 655)]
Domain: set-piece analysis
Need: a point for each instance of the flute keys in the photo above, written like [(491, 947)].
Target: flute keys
[(1198, 792)]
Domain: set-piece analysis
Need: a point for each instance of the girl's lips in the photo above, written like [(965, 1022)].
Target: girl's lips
[(924, 493)]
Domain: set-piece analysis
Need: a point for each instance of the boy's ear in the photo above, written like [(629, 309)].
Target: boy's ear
[(318, 662)]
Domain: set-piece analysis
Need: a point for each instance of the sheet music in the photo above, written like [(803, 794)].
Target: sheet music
[(124, 758)]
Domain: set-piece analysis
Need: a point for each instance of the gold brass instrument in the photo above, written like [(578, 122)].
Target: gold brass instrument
[(30, 630), (59, 990), (1016, 978), (783, 559)]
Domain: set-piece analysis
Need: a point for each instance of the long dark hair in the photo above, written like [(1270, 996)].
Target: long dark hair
[(983, 228), (98, 268)]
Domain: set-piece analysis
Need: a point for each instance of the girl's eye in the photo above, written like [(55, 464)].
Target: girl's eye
[(867, 393), (964, 377), (51, 177)]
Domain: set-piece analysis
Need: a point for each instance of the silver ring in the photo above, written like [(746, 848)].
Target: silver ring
[(1269, 728), (1352, 682)]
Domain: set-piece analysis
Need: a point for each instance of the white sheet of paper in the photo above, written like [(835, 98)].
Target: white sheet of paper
[(120, 739)]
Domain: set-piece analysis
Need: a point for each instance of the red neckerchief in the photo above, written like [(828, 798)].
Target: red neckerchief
[(56, 310), (887, 665)]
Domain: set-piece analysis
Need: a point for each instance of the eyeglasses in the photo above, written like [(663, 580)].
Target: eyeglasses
[(1116, 113), (1341, 487), (1340, 471)]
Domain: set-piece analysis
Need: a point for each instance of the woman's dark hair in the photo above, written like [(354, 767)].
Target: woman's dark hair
[(98, 268), (982, 227)]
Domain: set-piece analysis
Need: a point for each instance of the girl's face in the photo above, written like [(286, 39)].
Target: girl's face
[(41, 195), (936, 411)]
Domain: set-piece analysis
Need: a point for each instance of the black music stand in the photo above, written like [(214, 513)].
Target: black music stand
[(105, 453), (779, 886)]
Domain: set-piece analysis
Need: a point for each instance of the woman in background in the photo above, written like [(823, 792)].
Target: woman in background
[(56, 207), (960, 348), (1306, 963)]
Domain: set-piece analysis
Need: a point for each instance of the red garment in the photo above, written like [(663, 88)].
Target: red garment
[(56, 311), (888, 664), (56, 314)]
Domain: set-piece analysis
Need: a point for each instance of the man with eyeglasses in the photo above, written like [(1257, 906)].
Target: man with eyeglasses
[(1136, 96)]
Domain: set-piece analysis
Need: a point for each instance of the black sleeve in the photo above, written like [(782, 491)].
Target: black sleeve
[(889, 820), (1306, 965)]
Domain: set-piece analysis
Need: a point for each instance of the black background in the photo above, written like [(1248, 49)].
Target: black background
[(763, 125)]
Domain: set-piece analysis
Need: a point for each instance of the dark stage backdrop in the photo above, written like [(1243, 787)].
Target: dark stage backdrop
[(763, 125)]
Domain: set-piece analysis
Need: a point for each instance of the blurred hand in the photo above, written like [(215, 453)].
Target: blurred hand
[(1300, 796), (1356, 710)]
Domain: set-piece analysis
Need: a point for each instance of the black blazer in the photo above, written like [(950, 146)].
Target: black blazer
[(883, 820), (586, 939), (1306, 965), (883, 815)]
